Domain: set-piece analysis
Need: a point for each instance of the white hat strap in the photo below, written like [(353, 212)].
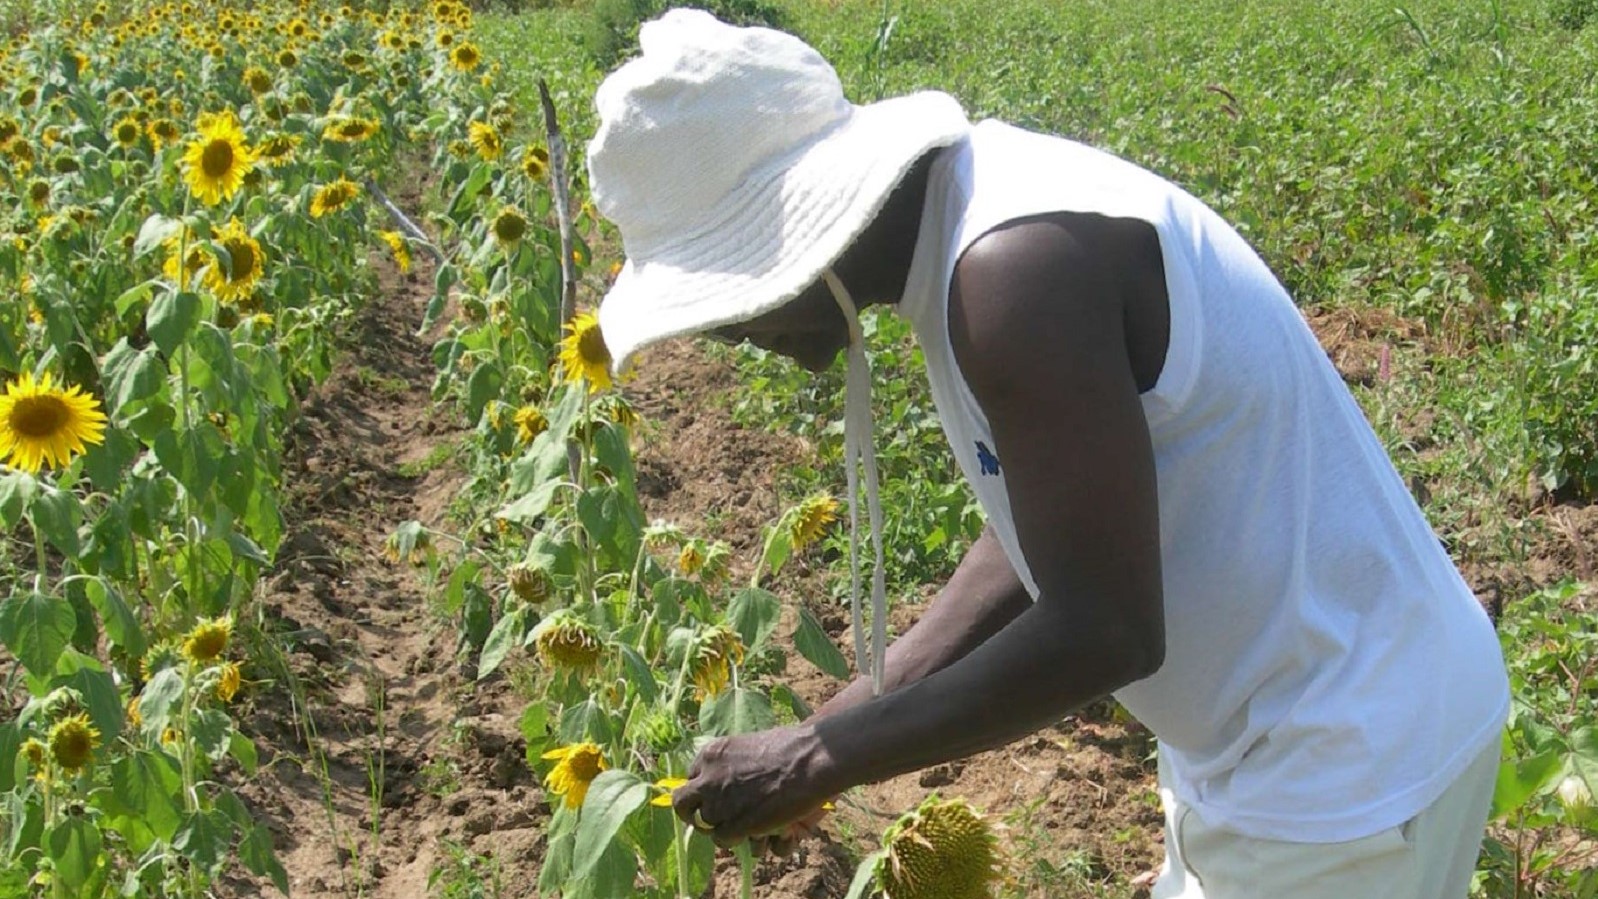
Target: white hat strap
[(858, 449)]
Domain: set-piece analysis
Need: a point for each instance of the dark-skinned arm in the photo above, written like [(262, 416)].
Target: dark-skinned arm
[(982, 596), (1037, 326)]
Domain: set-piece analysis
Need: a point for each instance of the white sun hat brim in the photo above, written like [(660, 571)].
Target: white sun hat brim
[(778, 230)]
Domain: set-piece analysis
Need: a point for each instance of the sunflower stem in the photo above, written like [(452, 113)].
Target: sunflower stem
[(683, 836), (41, 578), (746, 867)]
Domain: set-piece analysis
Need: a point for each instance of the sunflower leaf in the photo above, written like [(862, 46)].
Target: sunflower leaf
[(172, 316), (612, 797), (156, 230), (817, 648), (36, 628)]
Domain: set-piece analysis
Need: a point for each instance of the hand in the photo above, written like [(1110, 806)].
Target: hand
[(755, 785)]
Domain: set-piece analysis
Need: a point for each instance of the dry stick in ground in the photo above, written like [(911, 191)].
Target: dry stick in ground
[(563, 218), (404, 221)]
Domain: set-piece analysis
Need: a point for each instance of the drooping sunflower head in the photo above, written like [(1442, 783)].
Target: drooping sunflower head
[(530, 584), (567, 642), (810, 520), (349, 129), (34, 750), (208, 640), (229, 679), (399, 248), (485, 139), (691, 558), (73, 741), (158, 658), (217, 161), (278, 149), (236, 279), (530, 422), (716, 650), (576, 766), (163, 132), (583, 353), (535, 163), (943, 849), (509, 226), (333, 197), (464, 56), (127, 131), (45, 424), (39, 192)]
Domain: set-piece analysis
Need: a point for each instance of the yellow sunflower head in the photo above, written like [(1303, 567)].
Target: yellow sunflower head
[(163, 132), (583, 353), (349, 129), (530, 422), (257, 79), (576, 766), (691, 558), (484, 138), (278, 149), (444, 39), (715, 652), (567, 642), (333, 197), (810, 520), (43, 424), (509, 226), (287, 58), (399, 248), (34, 750), (228, 681), (535, 163), (237, 279), (217, 161), (28, 95), (208, 640), (73, 741), (127, 131), (465, 56)]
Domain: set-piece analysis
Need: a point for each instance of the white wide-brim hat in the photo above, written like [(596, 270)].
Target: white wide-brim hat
[(737, 172)]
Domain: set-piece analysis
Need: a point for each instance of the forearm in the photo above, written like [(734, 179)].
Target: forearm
[(1035, 671), (982, 596)]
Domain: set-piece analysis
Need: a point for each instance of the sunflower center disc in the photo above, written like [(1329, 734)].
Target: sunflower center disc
[(243, 261), (39, 417), (217, 159)]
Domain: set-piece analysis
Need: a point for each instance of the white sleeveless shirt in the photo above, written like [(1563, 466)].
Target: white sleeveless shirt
[(1327, 672)]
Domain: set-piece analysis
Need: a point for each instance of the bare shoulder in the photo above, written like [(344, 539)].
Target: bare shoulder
[(1036, 288)]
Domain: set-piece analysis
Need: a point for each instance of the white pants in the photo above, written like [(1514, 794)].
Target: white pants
[(1431, 856)]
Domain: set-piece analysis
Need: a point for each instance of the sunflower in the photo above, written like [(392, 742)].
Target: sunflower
[(576, 766), (9, 128), (583, 353), (244, 264), (354, 60), (509, 226), (715, 652), (28, 95), (465, 56), (194, 258), (530, 422), (257, 79), (42, 423), (535, 163), (444, 39), (812, 518), (333, 197), (531, 585), (566, 641), (33, 749), (228, 681), (691, 558), (349, 129), (208, 640), (73, 741), (39, 192), (126, 132), (278, 149), (400, 249), (484, 138), (666, 785), (163, 132), (218, 161), (287, 59), (943, 849)]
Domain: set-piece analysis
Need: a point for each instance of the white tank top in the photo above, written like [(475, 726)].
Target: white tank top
[(1327, 672)]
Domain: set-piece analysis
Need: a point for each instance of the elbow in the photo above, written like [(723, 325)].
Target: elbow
[(1145, 656)]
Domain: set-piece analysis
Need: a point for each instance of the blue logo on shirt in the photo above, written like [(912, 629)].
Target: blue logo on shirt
[(986, 458)]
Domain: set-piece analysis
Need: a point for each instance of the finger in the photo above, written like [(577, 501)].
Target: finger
[(687, 801)]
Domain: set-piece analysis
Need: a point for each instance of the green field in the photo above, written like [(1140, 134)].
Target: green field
[(367, 579)]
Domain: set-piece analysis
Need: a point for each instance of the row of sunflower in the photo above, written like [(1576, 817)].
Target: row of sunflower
[(188, 231), (634, 640)]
